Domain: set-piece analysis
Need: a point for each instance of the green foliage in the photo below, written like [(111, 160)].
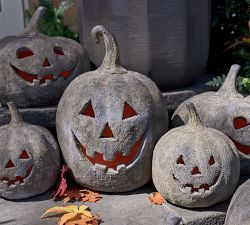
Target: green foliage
[(230, 41), (52, 22)]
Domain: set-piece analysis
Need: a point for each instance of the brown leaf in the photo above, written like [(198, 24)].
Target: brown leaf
[(71, 194), (66, 217), (89, 196), (156, 198), (84, 220)]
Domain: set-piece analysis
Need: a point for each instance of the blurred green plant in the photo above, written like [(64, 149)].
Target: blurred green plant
[(230, 41), (52, 21)]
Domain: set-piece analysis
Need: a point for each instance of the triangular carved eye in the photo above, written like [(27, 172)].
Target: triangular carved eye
[(240, 122), (24, 155), (9, 164), (128, 111), (88, 110), (23, 53)]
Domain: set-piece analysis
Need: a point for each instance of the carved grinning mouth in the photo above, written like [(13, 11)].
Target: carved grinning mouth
[(242, 148), (195, 188), (18, 179), (33, 78), (119, 158)]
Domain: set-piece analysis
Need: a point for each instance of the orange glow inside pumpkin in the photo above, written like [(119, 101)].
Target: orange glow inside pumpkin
[(9, 164), (128, 111), (107, 132), (89, 111), (240, 122), (24, 53)]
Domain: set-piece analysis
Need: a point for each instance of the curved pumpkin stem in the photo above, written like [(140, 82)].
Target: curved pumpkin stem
[(33, 26), (111, 61), (194, 118), (16, 118), (229, 88)]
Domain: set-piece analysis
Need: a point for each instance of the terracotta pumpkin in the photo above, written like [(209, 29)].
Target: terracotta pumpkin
[(35, 69), (225, 110), (29, 158), (108, 121), (238, 212), (195, 166)]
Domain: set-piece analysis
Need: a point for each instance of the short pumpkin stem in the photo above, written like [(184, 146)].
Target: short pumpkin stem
[(33, 26), (16, 118), (228, 88), (111, 61), (194, 118)]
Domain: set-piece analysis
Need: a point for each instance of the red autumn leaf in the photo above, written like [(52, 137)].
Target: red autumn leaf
[(156, 198), (62, 184), (89, 196), (72, 194)]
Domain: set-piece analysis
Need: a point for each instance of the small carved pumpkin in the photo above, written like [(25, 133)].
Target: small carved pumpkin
[(35, 69), (29, 158), (108, 121), (225, 110), (238, 212), (195, 166)]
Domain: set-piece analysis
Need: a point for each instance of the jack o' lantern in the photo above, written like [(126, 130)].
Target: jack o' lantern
[(35, 69), (108, 121), (195, 166), (29, 158), (225, 110), (238, 212)]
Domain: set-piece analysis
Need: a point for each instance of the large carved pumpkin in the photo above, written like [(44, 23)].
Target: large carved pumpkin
[(225, 110), (238, 212), (35, 69), (108, 121), (29, 158), (195, 166)]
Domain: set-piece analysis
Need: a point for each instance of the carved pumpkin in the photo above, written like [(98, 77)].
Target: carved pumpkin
[(225, 110), (29, 157), (35, 69), (238, 212), (195, 166), (108, 121)]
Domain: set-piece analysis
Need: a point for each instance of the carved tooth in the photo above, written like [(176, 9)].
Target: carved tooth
[(112, 171), (36, 82), (17, 182), (188, 189), (5, 181), (201, 190), (121, 168), (108, 157), (100, 168), (12, 186), (48, 81)]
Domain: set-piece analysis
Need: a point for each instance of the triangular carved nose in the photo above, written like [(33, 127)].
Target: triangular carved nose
[(196, 170), (107, 132), (9, 164), (46, 62)]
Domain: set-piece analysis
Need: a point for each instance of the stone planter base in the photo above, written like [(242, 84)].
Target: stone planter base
[(45, 116)]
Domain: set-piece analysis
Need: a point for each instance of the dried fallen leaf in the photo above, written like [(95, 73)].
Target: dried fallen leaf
[(72, 213), (62, 185), (89, 196), (95, 220), (71, 194), (156, 198)]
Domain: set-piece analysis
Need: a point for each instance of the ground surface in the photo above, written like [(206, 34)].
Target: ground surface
[(132, 208)]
